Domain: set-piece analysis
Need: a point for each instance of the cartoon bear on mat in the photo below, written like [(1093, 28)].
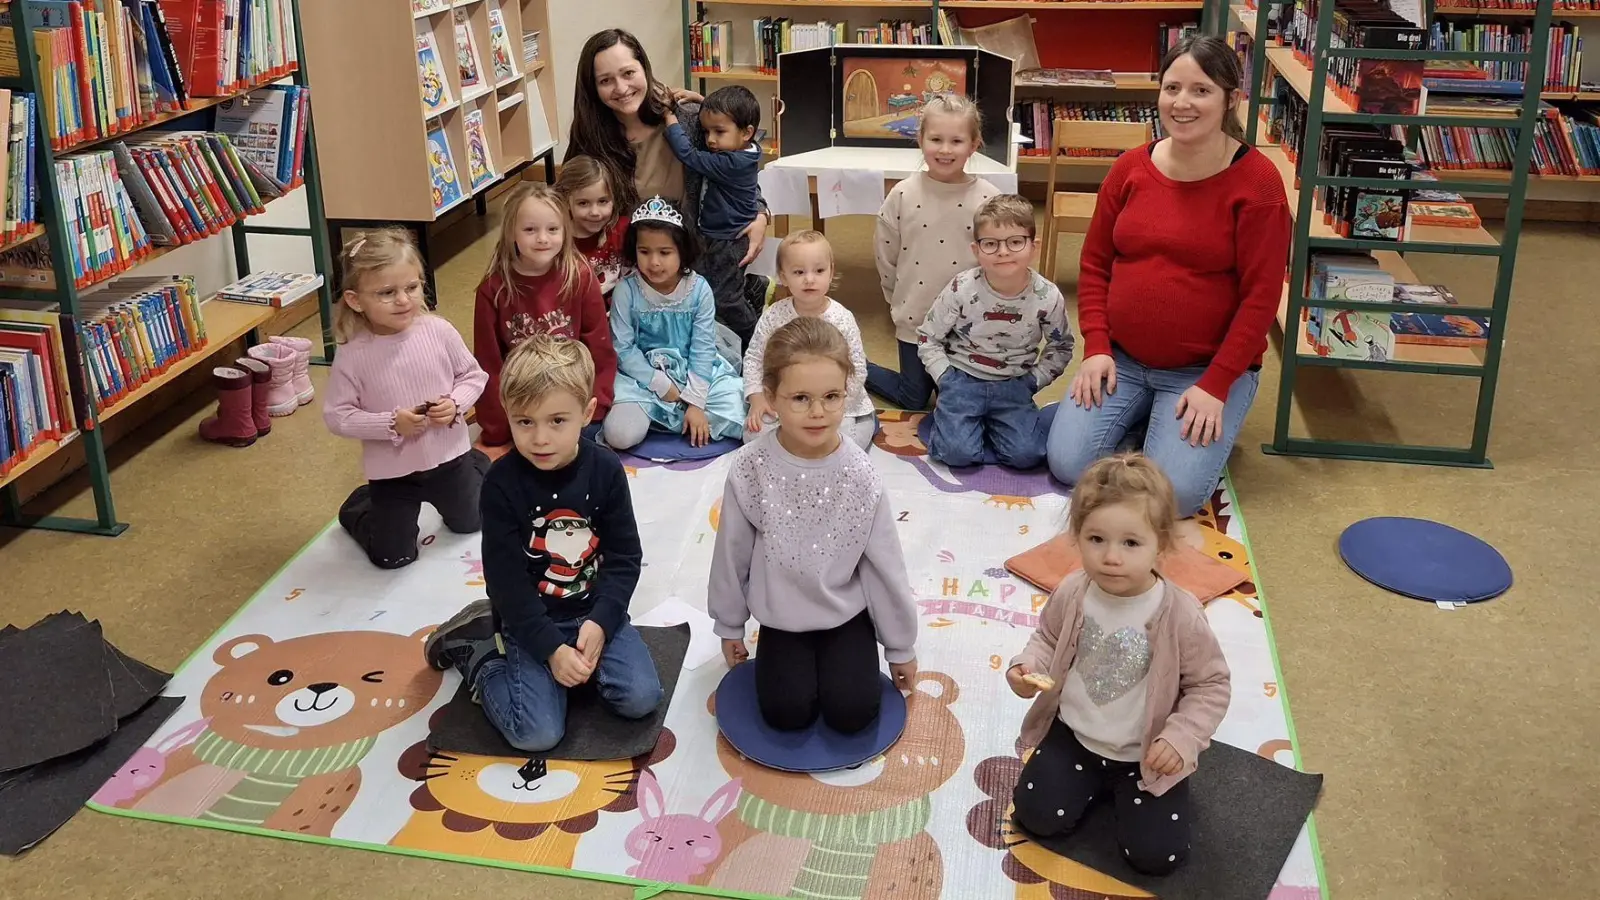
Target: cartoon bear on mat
[(860, 832), (290, 721)]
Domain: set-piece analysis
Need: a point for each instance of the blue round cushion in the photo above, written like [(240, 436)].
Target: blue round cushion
[(815, 749), (659, 446), (1425, 560), (1047, 415)]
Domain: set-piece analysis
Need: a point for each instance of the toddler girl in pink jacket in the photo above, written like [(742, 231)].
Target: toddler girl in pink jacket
[(1128, 681)]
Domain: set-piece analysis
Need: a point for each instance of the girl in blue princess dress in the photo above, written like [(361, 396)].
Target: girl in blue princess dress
[(670, 376)]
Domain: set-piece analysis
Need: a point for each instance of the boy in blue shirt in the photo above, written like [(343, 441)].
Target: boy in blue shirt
[(729, 165)]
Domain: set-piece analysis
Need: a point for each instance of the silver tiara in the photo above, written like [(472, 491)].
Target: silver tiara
[(658, 210)]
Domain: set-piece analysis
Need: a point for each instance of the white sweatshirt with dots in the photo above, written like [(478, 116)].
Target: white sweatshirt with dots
[(924, 239), (806, 545)]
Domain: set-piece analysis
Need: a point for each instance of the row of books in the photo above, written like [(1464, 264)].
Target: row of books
[(1037, 117), (35, 396), (1383, 86), (18, 136), (1456, 6), (711, 43), (1563, 55), (1372, 334), (1169, 36), (134, 329), (1566, 142), (109, 66)]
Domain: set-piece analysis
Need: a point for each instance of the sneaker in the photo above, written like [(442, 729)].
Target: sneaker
[(465, 641)]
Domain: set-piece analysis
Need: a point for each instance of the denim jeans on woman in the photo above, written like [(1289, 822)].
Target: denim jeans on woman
[(1149, 397)]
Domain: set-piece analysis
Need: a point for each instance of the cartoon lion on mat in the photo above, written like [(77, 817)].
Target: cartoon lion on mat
[(289, 723), (854, 833), (530, 811)]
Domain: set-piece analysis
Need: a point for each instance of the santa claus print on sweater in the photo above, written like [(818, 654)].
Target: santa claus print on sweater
[(570, 550)]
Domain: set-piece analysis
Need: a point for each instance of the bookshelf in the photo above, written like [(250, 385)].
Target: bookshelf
[(1118, 35), (1481, 364), (382, 140), (224, 323)]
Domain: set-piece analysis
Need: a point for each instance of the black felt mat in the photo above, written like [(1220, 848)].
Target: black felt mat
[(58, 697), (1246, 812), (133, 684), (49, 794), (593, 732)]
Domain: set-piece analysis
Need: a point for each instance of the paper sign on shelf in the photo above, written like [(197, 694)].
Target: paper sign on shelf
[(849, 192), (1004, 182), (787, 191)]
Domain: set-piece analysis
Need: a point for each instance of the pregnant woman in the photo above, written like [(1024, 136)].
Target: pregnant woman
[(1180, 278)]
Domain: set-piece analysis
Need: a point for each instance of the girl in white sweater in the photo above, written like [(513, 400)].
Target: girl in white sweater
[(924, 238)]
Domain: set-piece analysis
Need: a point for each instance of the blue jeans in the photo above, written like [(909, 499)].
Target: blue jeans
[(1080, 436), (524, 700), (973, 411), (908, 388)]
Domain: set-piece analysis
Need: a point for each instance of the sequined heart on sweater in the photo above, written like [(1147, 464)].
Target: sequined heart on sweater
[(1111, 664)]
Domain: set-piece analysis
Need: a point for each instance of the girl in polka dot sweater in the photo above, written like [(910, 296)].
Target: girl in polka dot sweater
[(806, 544), (1127, 680)]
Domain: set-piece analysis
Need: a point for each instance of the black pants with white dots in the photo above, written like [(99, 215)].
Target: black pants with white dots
[(1063, 777)]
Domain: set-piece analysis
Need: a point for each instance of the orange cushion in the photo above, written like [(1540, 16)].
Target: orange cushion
[(1052, 561)]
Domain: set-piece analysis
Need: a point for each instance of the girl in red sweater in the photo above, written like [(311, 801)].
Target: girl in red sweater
[(1180, 277), (598, 229), (537, 283)]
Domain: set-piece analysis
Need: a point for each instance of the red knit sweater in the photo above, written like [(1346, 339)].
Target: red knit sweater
[(1185, 273), (535, 306)]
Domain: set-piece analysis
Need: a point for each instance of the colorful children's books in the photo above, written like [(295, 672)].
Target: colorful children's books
[(467, 54), (500, 47), (275, 289), (442, 171), (1440, 329), (480, 165), (435, 90), (428, 7)]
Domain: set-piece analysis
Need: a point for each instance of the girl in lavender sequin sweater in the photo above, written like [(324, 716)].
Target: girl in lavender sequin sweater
[(807, 545)]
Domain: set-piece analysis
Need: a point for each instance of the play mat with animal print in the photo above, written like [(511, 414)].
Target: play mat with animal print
[(308, 715)]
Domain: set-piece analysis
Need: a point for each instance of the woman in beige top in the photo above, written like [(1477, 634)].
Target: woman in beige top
[(618, 118)]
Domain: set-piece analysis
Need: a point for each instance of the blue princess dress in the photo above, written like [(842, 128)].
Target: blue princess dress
[(669, 340)]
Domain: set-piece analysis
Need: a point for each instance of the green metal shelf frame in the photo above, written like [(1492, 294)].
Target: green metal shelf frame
[(1488, 373), (105, 522)]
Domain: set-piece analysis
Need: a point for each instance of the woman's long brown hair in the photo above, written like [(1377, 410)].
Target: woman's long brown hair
[(596, 131)]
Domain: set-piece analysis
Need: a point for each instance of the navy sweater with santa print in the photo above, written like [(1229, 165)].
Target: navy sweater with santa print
[(559, 546)]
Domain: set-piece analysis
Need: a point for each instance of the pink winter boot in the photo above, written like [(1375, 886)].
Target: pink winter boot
[(232, 424), (303, 391), (281, 399), (260, 386)]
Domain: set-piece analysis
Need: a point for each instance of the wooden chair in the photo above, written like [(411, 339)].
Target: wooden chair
[(1071, 211)]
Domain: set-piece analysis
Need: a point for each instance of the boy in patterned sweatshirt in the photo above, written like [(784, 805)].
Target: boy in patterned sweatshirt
[(981, 344)]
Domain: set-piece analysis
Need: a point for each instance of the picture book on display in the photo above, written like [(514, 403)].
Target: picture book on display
[(500, 53), (467, 54), (275, 289), (1443, 329), (442, 171), (435, 90), (268, 128), (428, 7), (480, 164)]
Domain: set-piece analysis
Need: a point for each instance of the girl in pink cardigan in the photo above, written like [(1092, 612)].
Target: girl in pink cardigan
[(1128, 681)]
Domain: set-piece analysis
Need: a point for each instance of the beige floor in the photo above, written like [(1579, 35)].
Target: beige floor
[(1459, 747)]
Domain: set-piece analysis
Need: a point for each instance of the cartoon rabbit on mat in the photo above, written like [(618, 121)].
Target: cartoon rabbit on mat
[(146, 766), (678, 846)]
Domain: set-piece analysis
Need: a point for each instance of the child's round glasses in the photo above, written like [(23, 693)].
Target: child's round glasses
[(832, 401), (1015, 243), (389, 296)]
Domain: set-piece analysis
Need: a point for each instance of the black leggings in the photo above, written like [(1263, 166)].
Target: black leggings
[(382, 514), (834, 673), (1063, 777)]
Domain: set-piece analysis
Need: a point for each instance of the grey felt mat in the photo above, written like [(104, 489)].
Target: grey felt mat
[(49, 794), (1246, 812), (133, 684), (593, 732), (58, 697)]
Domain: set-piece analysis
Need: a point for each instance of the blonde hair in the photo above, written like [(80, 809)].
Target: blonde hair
[(568, 262), (1126, 478), (796, 238), (805, 337), (542, 365), (955, 105), (1005, 209), (580, 173), (362, 255)]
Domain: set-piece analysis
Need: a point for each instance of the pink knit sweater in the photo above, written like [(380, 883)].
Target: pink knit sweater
[(375, 374), (1187, 687)]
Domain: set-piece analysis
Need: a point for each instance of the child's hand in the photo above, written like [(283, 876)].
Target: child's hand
[(1163, 758), (734, 652), (697, 427), (671, 117), (442, 412), (569, 666), (591, 640), (904, 675), (759, 408), (1017, 679), (672, 394), (409, 422)]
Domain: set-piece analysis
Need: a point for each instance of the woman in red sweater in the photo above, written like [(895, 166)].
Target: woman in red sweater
[(1181, 274)]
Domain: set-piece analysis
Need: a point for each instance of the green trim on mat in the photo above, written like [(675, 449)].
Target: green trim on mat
[(1277, 668)]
